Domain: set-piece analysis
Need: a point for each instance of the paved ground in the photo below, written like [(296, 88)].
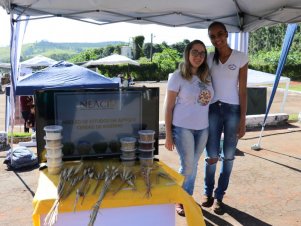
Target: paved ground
[(264, 188)]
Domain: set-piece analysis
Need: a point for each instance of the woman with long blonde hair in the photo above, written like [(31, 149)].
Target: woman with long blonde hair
[(189, 92)]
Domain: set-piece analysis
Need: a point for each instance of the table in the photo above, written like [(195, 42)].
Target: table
[(164, 193), (147, 215)]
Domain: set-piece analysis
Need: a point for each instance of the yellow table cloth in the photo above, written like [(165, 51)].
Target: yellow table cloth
[(163, 192)]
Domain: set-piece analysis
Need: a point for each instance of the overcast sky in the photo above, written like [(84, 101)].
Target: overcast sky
[(65, 30)]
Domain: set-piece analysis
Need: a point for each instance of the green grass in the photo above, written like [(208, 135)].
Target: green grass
[(19, 134), (291, 87), (293, 118)]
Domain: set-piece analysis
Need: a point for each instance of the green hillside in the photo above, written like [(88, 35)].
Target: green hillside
[(53, 50)]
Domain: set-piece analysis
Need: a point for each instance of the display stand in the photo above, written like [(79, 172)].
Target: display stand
[(132, 203)]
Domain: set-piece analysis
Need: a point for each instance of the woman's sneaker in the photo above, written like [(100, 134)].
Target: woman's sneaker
[(218, 207), (207, 201)]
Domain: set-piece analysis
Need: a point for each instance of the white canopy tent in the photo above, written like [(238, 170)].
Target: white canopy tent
[(113, 59), (259, 78), (263, 78), (38, 61), (27, 66), (238, 15)]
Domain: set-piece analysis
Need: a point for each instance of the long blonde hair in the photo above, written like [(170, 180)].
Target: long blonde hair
[(185, 67)]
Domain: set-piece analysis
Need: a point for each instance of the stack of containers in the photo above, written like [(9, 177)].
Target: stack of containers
[(128, 150), (146, 147), (53, 148)]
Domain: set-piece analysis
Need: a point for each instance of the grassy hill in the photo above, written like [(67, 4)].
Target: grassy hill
[(56, 51)]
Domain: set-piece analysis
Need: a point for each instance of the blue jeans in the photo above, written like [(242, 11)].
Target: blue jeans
[(225, 118), (190, 145)]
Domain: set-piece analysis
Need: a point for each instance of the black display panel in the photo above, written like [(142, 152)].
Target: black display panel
[(94, 120)]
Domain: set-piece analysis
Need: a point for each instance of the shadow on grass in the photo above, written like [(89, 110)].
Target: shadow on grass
[(18, 173), (244, 218), (278, 163), (212, 219), (279, 153), (292, 130)]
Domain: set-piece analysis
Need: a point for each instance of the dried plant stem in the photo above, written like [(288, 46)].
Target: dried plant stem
[(110, 175), (99, 177), (95, 208), (127, 177), (83, 189), (51, 217), (146, 172)]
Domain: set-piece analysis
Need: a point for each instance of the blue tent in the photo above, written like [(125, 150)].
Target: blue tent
[(63, 75)]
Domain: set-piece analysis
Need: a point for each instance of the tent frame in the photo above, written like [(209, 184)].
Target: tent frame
[(238, 15), (245, 21)]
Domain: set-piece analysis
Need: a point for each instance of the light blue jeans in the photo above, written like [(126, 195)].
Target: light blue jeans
[(190, 145), (225, 118)]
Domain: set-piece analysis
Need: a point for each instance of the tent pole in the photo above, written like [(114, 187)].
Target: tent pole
[(257, 146), (7, 110), (290, 32)]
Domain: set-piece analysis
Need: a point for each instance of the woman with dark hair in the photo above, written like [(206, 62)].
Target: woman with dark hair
[(189, 92), (227, 113)]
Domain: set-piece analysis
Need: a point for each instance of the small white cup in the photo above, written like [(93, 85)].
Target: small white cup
[(55, 169), (53, 132), (53, 143), (54, 161), (54, 152)]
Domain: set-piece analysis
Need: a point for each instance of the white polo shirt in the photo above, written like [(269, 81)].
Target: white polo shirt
[(225, 77)]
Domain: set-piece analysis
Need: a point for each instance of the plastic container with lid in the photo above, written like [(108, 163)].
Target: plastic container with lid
[(146, 162), (146, 144), (53, 131), (55, 169), (146, 135), (127, 150), (128, 161), (53, 143), (54, 152), (128, 143), (146, 154), (53, 161), (129, 154)]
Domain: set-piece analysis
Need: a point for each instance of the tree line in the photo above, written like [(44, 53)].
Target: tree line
[(265, 48), (158, 60), (264, 51)]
